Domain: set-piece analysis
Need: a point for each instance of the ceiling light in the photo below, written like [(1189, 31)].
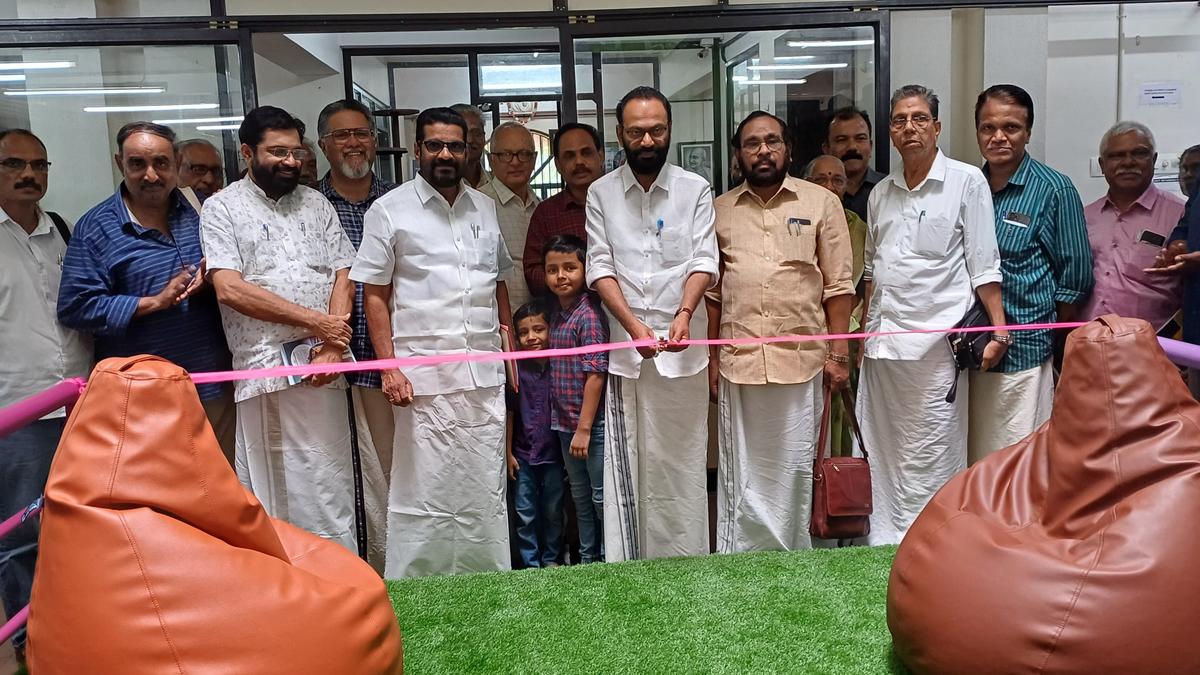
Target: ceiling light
[(741, 79), (799, 66), (36, 65), (84, 92), (804, 44), (201, 120), (149, 108), (12, 78), (219, 127)]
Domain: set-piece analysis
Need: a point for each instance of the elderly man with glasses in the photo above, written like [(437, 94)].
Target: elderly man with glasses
[(930, 255), (280, 264), (433, 264), (513, 160), (134, 273), (346, 134), (200, 167)]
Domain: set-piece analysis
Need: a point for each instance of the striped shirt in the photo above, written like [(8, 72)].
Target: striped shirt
[(351, 216), (112, 262), (1044, 256)]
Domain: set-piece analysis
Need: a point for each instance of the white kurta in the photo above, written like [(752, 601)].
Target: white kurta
[(446, 513), (768, 433), (916, 441), (293, 453), (655, 473)]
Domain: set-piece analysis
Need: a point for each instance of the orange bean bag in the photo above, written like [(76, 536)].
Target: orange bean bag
[(154, 559), (1075, 550)]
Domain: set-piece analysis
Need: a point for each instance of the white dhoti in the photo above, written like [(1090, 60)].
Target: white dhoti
[(655, 474), (767, 435), (293, 453), (915, 439), (446, 510), (1007, 407), (375, 426)]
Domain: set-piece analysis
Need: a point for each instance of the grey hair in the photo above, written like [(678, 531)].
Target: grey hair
[(1125, 127), (508, 125), (339, 106), (468, 110), (911, 90), (184, 145), (808, 168)]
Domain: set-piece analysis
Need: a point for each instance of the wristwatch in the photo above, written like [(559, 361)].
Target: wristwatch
[(681, 310), (1005, 340)]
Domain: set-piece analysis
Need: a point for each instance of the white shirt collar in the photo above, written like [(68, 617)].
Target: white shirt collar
[(43, 225), (937, 172), (661, 181)]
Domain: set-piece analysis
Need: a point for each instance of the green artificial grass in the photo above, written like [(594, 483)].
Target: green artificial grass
[(819, 611)]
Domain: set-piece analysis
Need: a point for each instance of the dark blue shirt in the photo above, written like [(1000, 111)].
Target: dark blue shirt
[(533, 441), (1189, 230), (112, 262), (351, 216)]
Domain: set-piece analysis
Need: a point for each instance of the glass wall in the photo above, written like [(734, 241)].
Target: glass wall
[(76, 99), (99, 9)]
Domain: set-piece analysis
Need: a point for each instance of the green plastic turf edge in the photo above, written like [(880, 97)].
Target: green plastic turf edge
[(820, 611)]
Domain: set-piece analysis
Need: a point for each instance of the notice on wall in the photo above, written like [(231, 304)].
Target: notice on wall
[(1161, 94)]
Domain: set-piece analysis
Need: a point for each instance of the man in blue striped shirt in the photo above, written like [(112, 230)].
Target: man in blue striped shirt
[(134, 275), (1047, 266)]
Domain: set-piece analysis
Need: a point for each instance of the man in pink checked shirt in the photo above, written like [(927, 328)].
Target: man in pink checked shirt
[(1127, 228)]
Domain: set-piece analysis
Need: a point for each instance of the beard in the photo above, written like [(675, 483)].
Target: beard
[(762, 176), (440, 178), (275, 179), (651, 162), (354, 171)]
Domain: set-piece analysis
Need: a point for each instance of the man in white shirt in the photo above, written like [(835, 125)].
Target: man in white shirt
[(652, 253), (280, 264), (931, 247), (513, 160), (41, 351), (432, 264), (475, 175)]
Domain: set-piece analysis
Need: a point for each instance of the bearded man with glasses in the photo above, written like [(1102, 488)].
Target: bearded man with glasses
[(930, 250), (786, 265), (280, 264), (346, 134), (652, 253), (433, 264)]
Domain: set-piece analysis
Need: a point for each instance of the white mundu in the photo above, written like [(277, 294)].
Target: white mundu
[(655, 492), (446, 509)]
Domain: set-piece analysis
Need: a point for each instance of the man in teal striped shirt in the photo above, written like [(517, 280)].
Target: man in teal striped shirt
[(1047, 266)]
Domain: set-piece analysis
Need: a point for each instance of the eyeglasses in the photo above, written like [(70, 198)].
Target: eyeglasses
[(202, 169), (435, 147), (635, 133), (919, 122), (298, 154), (343, 135), (17, 165), (1139, 154), (509, 157), (773, 143)]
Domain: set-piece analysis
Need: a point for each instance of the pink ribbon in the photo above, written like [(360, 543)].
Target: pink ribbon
[(463, 357)]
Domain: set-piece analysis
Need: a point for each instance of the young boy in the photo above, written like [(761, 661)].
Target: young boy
[(534, 458), (577, 385)]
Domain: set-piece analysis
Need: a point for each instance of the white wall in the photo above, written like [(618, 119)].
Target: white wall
[(921, 54)]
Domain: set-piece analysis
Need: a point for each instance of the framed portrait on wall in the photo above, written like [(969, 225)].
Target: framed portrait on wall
[(697, 158), (614, 156)]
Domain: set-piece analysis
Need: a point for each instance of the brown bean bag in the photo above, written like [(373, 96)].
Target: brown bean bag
[(1075, 550), (154, 559)]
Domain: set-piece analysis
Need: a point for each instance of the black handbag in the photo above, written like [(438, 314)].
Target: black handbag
[(967, 347)]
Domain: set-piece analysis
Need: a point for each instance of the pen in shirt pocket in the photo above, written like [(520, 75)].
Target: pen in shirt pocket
[(659, 227), (266, 231)]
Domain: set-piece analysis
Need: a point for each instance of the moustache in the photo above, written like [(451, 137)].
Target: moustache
[(851, 154), (28, 183)]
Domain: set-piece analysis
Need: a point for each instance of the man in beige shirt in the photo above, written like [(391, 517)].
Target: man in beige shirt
[(785, 270), (513, 158)]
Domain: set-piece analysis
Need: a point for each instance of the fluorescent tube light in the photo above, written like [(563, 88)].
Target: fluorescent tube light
[(36, 65), (803, 44), (150, 108), (84, 92), (800, 66), (741, 79), (12, 78), (219, 127)]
